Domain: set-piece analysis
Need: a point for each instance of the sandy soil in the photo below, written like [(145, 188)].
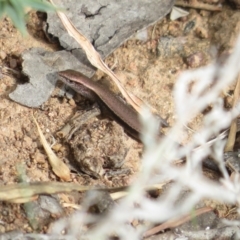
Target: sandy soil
[(147, 68)]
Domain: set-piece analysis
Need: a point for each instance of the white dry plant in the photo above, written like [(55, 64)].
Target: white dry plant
[(157, 160)]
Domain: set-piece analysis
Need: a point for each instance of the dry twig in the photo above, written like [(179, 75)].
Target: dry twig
[(58, 166), (95, 58), (197, 5), (233, 129), (176, 222)]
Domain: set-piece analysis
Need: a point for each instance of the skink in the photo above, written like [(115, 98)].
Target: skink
[(119, 111)]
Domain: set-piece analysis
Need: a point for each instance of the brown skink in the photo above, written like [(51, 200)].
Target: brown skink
[(94, 91), (119, 111)]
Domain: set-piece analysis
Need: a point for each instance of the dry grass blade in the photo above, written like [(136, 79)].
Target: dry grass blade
[(120, 194), (25, 192), (24, 199), (198, 5), (95, 59), (58, 166), (176, 222), (233, 129)]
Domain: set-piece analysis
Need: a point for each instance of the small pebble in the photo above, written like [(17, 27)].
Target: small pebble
[(57, 147), (39, 157), (13, 63), (142, 35), (202, 32), (195, 60), (3, 55), (72, 102)]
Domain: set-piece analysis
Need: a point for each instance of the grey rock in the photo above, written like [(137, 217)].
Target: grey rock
[(39, 211), (14, 234), (106, 23), (37, 65)]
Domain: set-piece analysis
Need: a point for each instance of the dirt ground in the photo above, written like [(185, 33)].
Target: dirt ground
[(147, 68)]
